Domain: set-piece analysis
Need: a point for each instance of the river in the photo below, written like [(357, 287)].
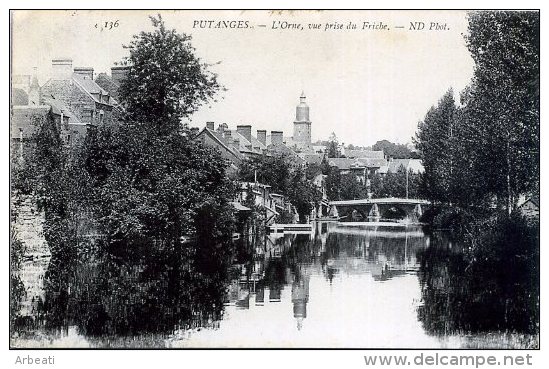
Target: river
[(345, 285)]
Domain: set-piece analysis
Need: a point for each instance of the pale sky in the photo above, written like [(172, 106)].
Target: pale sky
[(363, 85)]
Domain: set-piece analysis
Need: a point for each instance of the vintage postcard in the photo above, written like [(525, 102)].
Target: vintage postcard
[(275, 179)]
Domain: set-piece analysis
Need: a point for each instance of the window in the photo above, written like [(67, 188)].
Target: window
[(87, 116)]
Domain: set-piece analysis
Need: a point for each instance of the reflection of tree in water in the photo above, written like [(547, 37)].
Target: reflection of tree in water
[(159, 293), (394, 254), (492, 288)]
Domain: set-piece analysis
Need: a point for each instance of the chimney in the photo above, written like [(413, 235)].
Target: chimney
[(262, 136), (276, 137), (119, 73), (62, 69), (221, 129), (245, 131), (228, 137), (84, 72), (210, 125)]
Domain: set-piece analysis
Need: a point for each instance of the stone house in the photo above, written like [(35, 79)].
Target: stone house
[(77, 90)]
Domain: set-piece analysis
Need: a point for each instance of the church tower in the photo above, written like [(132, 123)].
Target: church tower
[(302, 126)]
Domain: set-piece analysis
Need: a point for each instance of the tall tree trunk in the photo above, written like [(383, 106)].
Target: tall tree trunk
[(508, 178)]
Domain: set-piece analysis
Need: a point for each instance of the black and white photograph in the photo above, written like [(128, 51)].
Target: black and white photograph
[(274, 179)]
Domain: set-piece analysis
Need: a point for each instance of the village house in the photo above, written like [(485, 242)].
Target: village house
[(30, 110), (210, 138), (260, 195), (77, 90), (413, 165), (362, 168), (528, 206), (70, 99)]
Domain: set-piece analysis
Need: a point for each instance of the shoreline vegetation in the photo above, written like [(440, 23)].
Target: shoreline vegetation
[(145, 185)]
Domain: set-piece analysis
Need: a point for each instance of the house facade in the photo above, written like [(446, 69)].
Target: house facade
[(77, 90)]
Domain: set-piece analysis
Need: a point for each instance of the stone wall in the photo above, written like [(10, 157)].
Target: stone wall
[(28, 228)]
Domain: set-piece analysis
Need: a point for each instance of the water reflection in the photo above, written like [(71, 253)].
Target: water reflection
[(104, 298), (345, 285), (490, 293)]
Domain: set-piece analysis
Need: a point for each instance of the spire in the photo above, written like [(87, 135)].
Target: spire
[(34, 82), (34, 90), (302, 97)]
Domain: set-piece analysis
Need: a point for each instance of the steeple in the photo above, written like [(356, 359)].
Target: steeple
[(34, 82), (34, 90)]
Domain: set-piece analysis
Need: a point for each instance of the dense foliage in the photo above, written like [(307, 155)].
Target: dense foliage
[(487, 151), (140, 183), (166, 80), (156, 187), (393, 150), (346, 186), (333, 149), (149, 180)]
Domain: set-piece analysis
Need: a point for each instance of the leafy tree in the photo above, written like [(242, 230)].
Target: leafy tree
[(393, 150), (303, 194), (151, 184), (488, 151), (394, 184), (333, 184), (276, 171), (435, 139), (166, 81), (351, 188), (153, 188), (333, 147), (344, 186), (313, 169), (502, 103)]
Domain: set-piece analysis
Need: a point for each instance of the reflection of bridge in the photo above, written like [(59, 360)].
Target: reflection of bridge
[(377, 209), (366, 230)]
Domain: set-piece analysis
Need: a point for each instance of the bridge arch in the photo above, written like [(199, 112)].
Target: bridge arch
[(382, 208), (393, 212)]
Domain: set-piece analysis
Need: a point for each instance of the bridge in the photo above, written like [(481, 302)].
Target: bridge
[(389, 208)]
